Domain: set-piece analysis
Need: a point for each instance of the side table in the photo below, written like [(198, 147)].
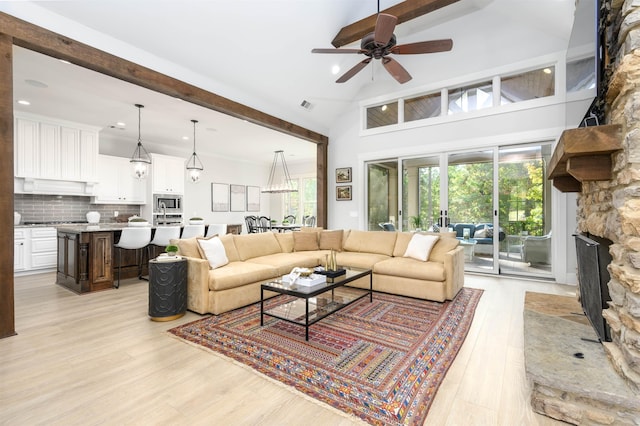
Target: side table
[(167, 289)]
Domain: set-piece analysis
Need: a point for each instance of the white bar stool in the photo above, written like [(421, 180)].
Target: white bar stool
[(190, 231), (132, 239), (218, 229), (163, 236)]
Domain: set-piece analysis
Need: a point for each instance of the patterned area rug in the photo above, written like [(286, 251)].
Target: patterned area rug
[(381, 361)]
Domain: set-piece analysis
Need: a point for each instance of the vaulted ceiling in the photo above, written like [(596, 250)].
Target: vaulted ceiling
[(258, 52)]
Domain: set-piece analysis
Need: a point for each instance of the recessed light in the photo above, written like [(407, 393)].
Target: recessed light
[(64, 61), (335, 69), (384, 107), (24, 102), (185, 138), (120, 123), (36, 83), (547, 70)]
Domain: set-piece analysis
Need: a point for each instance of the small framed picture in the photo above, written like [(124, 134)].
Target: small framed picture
[(343, 175), (238, 198), (343, 193)]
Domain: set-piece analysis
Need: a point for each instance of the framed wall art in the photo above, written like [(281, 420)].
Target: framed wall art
[(343, 193), (253, 198), (238, 198), (219, 197), (343, 175)]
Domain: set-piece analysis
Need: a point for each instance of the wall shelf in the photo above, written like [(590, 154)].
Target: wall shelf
[(584, 154)]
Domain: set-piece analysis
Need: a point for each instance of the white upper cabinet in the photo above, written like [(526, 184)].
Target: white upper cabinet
[(116, 184), (55, 150), (167, 174)]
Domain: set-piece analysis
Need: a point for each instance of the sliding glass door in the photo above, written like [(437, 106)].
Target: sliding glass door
[(495, 199)]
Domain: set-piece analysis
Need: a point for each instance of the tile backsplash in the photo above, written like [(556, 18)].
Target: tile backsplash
[(54, 208)]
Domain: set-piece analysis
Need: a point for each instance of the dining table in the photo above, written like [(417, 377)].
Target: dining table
[(283, 228)]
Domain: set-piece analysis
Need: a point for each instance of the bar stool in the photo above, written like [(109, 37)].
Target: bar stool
[(132, 239), (162, 237), (190, 231), (216, 229)]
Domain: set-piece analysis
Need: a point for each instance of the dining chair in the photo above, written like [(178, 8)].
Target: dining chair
[(190, 231), (309, 221), (216, 229), (252, 224), (264, 224), (132, 239), (290, 218)]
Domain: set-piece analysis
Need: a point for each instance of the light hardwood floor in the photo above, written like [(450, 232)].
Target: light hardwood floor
[(98, 359)]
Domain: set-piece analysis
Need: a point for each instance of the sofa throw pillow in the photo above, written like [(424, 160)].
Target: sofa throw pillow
[(331, 240), (187, 247), (213, 251), (305, 241), (481, 233), (420, 246)]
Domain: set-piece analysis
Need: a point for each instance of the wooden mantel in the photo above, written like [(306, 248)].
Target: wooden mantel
[(584, 154)]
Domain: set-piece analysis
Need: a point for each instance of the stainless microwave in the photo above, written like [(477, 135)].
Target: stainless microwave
[(167, 203)]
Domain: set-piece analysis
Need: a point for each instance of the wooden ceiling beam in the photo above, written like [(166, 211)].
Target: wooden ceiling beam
[(404, 11)]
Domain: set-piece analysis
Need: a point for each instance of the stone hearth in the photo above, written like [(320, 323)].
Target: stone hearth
[(571, 377)]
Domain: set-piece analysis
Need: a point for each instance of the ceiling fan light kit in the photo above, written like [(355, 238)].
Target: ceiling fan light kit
[(194, 165), (140, 160), (382, 42)]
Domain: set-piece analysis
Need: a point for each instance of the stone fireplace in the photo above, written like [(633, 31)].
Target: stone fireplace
[(611, 208)]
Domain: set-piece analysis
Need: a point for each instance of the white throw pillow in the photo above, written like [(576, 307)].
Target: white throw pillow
[(420, 246), (214, 252)]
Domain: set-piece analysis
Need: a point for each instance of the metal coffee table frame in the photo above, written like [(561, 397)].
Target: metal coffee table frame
[(288, 312)]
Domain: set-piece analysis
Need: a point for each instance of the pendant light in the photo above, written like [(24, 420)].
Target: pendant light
[(140, 159), (194, 165), (274, 185)]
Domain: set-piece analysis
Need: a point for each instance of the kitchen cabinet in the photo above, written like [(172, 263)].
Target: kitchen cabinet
[(116, 184), (53, 156), (35, 249), (167, 174), (20, 249)]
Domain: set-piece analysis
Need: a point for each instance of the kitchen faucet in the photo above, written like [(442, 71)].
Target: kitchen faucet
[(163, 206)]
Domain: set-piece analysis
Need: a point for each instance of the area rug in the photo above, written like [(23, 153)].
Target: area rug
[(381, 361)]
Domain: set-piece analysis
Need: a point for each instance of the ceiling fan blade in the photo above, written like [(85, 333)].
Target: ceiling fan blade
[(337, 51), (396, 70), (353, 71), (384, 29), (432, 46)]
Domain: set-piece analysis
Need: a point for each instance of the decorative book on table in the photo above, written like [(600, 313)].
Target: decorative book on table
[(308, 281)]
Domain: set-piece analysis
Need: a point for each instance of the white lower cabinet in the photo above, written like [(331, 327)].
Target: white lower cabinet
[(20, 248), (35, 249)]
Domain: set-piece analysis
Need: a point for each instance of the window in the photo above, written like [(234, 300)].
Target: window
[(382, 115), (471, 98), (581, 74), (426, 106), (529, 85), (301, 203)]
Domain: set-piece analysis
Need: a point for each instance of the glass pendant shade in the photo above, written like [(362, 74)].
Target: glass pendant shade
[(279, 178), (194, 165), (140, 160)]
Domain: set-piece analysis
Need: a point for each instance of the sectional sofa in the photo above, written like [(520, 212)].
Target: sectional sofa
[(482, 233), (257, 258)]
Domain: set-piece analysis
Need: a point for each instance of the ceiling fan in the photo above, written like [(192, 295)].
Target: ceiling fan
[(382, 42)]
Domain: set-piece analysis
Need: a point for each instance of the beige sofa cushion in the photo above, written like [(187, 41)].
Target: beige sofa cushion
[(411, 268), (305, 241), (443, 246), (230, 247), (187, 247), (371, 242), (359, 260), (285, 239), (237, 274), (256, 245), (285, 262), (331, 240)]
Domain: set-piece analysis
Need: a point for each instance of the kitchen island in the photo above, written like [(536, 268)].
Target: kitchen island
[(86, 257)]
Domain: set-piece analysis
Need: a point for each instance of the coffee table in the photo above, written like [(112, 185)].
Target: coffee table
[(313, 303)]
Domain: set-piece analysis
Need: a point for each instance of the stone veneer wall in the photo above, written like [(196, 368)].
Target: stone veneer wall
[(611, 209)]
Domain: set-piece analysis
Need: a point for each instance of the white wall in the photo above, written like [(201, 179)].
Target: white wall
[(348, 147)]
